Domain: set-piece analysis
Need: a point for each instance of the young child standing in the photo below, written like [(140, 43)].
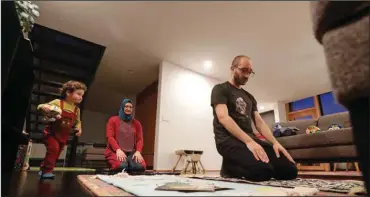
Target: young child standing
[(56, 134)]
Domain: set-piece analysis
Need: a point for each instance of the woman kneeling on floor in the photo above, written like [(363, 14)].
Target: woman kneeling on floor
[(125, 141)]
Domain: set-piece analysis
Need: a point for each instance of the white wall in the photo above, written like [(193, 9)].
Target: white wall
[(280, 112), (184, 117)]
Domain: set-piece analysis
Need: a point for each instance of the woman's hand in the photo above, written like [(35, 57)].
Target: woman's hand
[(121, 156), (138, 158)]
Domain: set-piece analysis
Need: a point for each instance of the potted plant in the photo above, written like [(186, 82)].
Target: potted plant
[(27, 11)]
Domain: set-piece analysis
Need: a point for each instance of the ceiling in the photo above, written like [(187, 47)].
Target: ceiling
[(288, 62)]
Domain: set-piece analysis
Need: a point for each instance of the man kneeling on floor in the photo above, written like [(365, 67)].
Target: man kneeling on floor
[(244, 155), (125, 141)]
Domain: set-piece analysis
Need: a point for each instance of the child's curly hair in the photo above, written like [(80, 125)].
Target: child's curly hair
[(71, 86)]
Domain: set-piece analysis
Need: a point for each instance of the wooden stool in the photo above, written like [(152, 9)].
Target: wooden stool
[(193, 158), (196, 165), (347, 164)]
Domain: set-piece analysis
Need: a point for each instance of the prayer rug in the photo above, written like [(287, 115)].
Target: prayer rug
[(342, 186)]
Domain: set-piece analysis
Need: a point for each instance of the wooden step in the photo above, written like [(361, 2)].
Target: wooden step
[(59, 73), (52, 94), (49, 83)]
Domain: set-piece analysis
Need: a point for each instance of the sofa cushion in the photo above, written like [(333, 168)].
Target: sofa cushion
[(300, 124), (342, 119), (321, 139), (332, 153)]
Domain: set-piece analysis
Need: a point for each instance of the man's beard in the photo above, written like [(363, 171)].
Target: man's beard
[(239, 81)]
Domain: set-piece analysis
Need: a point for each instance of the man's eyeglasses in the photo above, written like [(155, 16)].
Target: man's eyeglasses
[(247, 71)]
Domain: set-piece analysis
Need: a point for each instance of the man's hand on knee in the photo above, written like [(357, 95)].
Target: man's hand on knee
[(278, 148), (258, 152)]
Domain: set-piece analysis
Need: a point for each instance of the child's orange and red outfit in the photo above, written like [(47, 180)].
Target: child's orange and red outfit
[(56, 134)]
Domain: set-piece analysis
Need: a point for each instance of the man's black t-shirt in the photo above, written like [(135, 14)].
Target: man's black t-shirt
[(240, 104)]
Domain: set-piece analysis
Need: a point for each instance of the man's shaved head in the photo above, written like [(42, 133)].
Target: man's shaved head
[(236, 60)]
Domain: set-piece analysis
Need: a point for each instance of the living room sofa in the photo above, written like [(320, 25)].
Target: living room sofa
[(324, 146)]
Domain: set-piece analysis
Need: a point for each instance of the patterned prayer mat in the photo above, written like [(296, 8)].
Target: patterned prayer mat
[(342, 186)]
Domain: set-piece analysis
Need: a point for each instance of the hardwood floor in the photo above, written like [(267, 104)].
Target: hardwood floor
[(25, 184)]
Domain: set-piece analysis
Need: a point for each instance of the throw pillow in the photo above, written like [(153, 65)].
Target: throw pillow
[(335, 127), (312, 129)]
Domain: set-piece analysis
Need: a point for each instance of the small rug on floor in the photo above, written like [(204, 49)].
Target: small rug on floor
[(65, 169), (342, 186), (99, 187), (170, 185)]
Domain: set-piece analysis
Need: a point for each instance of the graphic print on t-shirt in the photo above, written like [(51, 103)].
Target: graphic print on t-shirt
[(241, 106)]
